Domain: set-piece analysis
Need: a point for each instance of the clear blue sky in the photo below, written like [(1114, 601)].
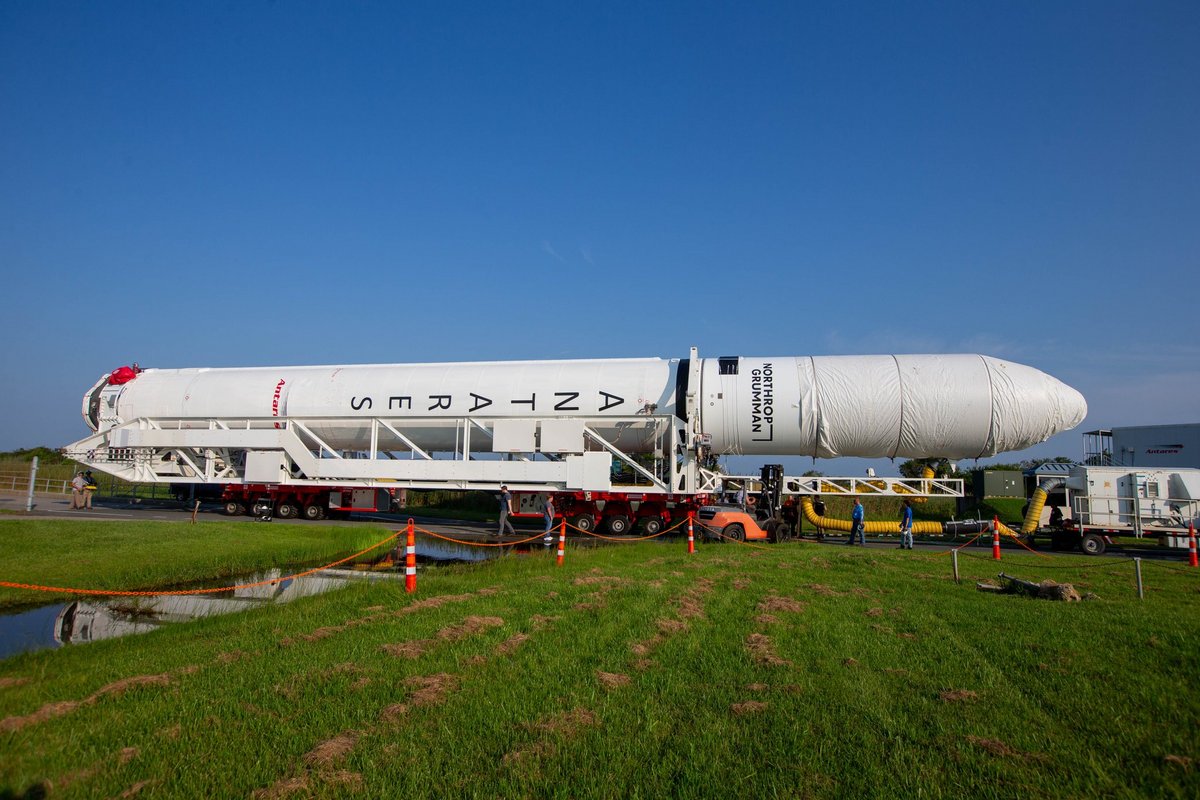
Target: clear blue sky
[(242, 183)]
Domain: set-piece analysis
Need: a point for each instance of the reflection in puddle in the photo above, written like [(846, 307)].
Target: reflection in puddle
[(93, 619)]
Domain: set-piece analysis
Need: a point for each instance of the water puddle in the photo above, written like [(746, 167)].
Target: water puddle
[(91, 619)]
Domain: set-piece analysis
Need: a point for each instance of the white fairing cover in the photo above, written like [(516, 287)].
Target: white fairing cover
[(895, 406)]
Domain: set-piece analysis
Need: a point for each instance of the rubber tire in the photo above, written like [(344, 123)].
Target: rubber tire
[(781, 532), (234, 509), (313, 512), (618, 525), (583, 522), (287, 510), (734, 531), (652, 525), (1092, 544)]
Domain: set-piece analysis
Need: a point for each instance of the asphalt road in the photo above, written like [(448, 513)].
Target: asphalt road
[(52, 506)]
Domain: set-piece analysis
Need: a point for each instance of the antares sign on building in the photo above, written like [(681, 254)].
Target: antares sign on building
[(1148, 446)]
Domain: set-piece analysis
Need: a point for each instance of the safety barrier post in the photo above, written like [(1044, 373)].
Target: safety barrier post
[(996, 538), (954, 558), (562, 541), (691, 533), (1137, 568), (410, 560), (1192, 560)]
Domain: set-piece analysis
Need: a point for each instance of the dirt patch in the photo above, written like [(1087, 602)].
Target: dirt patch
[(824, 590), (510, 645), (741, 584), (1179, 761), (410, 650), (849, 662), (170, 732), (231, 656), (132, 791), (46, 712), (958, 696), (612, 680), (756, 687), (748, 707), (874, 612), (762, 650), (433, 602), (431, 689), (766, 619), (642, 664), (332, 750), (539, 621), (907, 635), (374, 608), (282, 788), (1000, 749), (598, 580), (568, 723), (671, 626), (468, 627), (8, 683), (776, 603)]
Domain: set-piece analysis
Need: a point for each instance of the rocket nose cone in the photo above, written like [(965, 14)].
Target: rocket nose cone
[(1072, 406), (1029, 406)]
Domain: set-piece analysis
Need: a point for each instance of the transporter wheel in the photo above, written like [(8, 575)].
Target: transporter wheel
[(652, 525), (313, 512), (583, 522), (734, 532), (1092, 544), (233, 508), (781, 532), (618, 524), (287, 510)]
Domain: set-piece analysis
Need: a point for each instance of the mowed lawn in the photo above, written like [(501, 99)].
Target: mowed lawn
[(638, 670)]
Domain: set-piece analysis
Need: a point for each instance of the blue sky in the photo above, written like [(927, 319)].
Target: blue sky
[(229, 184)]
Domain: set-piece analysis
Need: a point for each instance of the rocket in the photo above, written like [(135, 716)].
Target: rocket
[(878, 406)]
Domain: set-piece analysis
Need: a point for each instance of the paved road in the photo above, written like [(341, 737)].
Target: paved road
[(53, 506)]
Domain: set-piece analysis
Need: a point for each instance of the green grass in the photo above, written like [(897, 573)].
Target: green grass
[(150, 555), (1069, 700)]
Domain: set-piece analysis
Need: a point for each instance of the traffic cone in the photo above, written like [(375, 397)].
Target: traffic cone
[(996, 538), (692, 537), (1192, 560)]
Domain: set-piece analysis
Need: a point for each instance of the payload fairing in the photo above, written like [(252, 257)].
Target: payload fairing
[(906, 406)]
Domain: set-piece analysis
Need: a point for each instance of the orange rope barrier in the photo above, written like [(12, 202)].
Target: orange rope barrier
[(154, 593), (428, 532)]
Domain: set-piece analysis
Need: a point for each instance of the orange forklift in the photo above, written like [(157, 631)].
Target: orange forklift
[(763, 519)]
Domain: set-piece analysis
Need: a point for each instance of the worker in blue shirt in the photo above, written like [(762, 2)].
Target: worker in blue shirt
[(906, 523), (856, 524)]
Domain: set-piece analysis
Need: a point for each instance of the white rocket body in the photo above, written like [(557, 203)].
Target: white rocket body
[(907, 406)]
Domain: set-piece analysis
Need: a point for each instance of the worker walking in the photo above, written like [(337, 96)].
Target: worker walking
[(906, 523), (505, 510), (548, 509), (857, 526), (819, 509)]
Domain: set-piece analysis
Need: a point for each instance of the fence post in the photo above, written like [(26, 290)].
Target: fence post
[(691, 532), (996, 538), (562, 541), (1192, 560), (410, 560), (32, 479), (1137, 567), (954, 558)]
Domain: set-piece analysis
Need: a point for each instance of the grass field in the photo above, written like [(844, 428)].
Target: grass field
[(638, 671), (154, 555)]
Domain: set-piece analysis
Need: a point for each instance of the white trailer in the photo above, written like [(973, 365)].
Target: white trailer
[(1107, 502)]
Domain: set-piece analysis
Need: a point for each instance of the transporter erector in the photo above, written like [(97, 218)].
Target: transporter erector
[(650, 425)]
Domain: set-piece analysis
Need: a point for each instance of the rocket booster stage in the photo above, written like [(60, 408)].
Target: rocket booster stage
[(906, 406)]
